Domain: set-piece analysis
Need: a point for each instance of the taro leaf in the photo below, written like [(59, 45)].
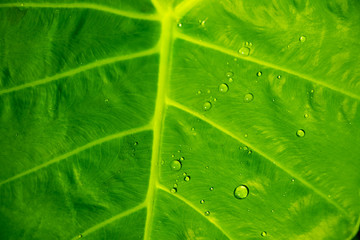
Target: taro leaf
[(138, 120)]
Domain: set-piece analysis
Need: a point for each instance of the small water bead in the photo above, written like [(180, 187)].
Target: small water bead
[(192, 129), (175, 185), (244, 51), (106, 100), (264, 234), (136, 143), (231, 80), (180, 25), (182, 159), (241, 192), (300, 133), (306, 115), (245, 135), (207, 106), (173, 190), (229, 74), (80, 236), (187, 178), (215, 99), (249, 152), (207, 213), (211, 189), (279, 76), (302, 39), (259, 73), (202, 201), (249, 97), (199, 92), (312, 91), (175, 165), (245, 148), (172, 155), (184, 174), (179, 151), (223, 88)]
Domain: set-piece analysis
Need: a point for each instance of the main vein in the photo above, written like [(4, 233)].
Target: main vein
[(75, 71), (263, 63), (259, 151), (77, 150), (212, 221), (93, 6), (165, 53)]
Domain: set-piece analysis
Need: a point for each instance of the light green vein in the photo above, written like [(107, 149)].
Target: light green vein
[(165, 53), (208, 218), (272, 160), (158, 6), (110, 220), (184, 7), (92, 6), (77, 150), (263, 63), (75, 71)]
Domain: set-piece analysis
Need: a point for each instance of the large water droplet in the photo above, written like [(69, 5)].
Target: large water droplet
[(300, 133), (207, 213), (187, 178), (264, 234), (175, 165), (302, 39), (223, 88), (244, 51), (207, 106), (241, 192), (248, 97)]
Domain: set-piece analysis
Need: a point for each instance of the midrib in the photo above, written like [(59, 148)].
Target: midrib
[(165, 52)]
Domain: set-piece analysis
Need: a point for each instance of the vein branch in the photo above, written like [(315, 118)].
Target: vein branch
[(263, 63), (181, 198), (110, 220), (84, 68), (92, 6), (185, 6), (76, 151), (266, 156)]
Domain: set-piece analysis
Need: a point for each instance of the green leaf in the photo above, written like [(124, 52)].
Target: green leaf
[(170, 119)]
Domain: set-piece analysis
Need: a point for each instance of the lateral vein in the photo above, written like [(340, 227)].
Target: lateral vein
[(92, 6), (84, 68), (267, 157), (75, 151), (263, 63)]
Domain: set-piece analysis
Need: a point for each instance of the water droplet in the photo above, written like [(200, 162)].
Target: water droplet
[(306, 115), (229, 74), (179, 151), (215, 99), (192, 129), (292, 180), (223, 88), (182, 159), (207, 213), (264, 234), (245, 135), (272, 210), (231, 80), (175, 185), (245, 148), (184, 174), (249, 152), (180, 25), (202, 201), (207, 167), (248, 97), (259, 73), (241, 192), (244, 51), (136, 143), (199, 92), (207, 106), (187, 178), (279, 76), (173, 190), (235, 59), (300, 133), (172, 155), (80, 236), (175, 165), (302, 39), (22, 4), (106, 100), (212, 189)]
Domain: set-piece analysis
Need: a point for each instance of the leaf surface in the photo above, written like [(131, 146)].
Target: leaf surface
[(138, 120)]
